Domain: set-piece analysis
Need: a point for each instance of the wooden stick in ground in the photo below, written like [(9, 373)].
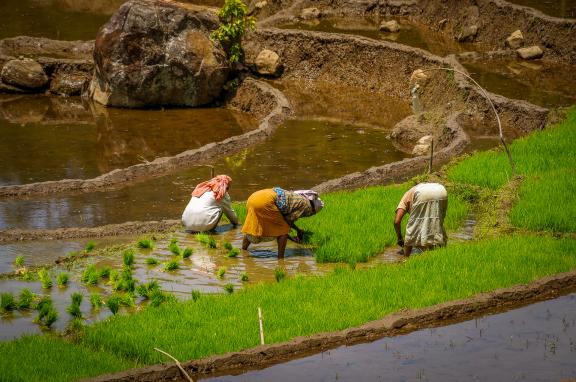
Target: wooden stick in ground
[(177, 364), (261, 327), (431, 156)]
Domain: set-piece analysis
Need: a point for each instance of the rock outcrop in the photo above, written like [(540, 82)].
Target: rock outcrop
[(158, 53), (24, 74)]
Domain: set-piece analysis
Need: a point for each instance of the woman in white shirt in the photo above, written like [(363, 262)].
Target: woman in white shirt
[(209, 200)]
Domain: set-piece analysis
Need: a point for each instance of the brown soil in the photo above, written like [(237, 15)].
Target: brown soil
[(391, 325)]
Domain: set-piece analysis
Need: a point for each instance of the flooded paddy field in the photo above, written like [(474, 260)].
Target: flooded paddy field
[(539, 82), (556, 8), (411, 33), (533, 343), (75, 140), (293, 158)]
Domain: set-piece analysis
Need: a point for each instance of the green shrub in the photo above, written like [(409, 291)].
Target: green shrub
[(235, 22)]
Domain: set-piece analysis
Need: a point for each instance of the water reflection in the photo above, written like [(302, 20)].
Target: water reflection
[(52, 138), (294, 157)]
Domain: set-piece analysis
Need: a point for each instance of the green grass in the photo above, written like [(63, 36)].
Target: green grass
[(19, 261), (7, 302), (547, 203), (26, 299), (152, 261), (145, 243), (62, 360), (547, 150), (62, 279), (90, 246), (172, 265)]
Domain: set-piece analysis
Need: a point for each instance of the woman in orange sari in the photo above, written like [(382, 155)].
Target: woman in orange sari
[(272, 213)]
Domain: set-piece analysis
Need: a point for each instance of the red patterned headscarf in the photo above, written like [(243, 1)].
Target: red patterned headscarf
[(218, 185)]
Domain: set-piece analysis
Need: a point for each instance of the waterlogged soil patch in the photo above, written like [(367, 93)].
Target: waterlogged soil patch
[(558, 8), (410, 33), (539, 82), (75, 140), (294, 157)]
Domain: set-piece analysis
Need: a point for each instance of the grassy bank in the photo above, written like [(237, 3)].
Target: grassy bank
[(294, 307)]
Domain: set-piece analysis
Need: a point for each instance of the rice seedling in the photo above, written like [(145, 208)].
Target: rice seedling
[(113, 303), (27, 276), (221, 272), (7, 302), (174, 248), (125, 282), (47, 315), (26, 299), (105, 273), (96, 300), (352, 264), (145, 244), (146, 290), (202, 238), (228, 246), (152, 261), (187, 252), (62, 279), (73, 254), (229, 288), (195, 295), (212, 243), (244, 277), (128, 257), (91, 275), (172, 265), (90, 246), (45, 278), (19, 262), (127, 299), (114, 276), (74, 308), (234, 252), (75, 326), (279, 274), (173, 240)]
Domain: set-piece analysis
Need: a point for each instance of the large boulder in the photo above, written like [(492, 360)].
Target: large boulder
[(24, 74), (158, 53)]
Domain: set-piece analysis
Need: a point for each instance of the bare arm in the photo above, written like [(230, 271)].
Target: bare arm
[(400, 212), (228, 210)]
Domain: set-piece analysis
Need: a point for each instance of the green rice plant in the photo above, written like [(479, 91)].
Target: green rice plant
[(174, 249), (96, 300), (87, 275), (113, 303), (244, 277), (279, 274), (62, 279), (195, 295), (145, 243), (47, 315), (146, 290), (158, 298), (75, 326), (127, 299), (187, 252), (74, 308), (234, 252), (128, 257), (73, 254), (105, 272), (125, 282), (229, 288), (173, 240), (152, 261), (114, 276), (45, 278), (27, 276), (202, 238), (7, 302), (90, 246), (228, 246), (212, 243), (352, 264), (26, 299), (19, 261), (221, 272), (171, 265)]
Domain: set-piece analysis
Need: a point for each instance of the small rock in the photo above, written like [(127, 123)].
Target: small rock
[(310, 13), (26, 73), (420, 150), (468, 33), (391, 26), (68, 85), (261, 4), (425, 140), (269, 63), (442, 23), (418, 77), (530, 53), (515, 40)]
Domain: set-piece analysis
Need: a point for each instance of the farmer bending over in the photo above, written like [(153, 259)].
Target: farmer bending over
[(209, 200), (273, 212), (426, 203)]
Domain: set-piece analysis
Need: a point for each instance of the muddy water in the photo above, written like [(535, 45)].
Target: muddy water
[(294, 157), (70, 139), (541, 83), (411, 33), (534, 343), (556, 8)]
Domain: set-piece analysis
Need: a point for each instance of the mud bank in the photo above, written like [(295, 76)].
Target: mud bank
[(266, 103), (391, 325), (493, 20), (128, 228)]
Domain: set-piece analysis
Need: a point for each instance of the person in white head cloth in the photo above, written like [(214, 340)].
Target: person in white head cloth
[(426, 203), (272, 213)]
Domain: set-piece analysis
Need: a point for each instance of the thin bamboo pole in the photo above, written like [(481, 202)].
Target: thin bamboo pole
[(261, 326), (177, 364)]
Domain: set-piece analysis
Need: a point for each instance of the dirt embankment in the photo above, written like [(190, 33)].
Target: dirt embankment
[(391, 325), (267, 103)]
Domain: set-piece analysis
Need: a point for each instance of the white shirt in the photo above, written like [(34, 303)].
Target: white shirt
[(204, 213)]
